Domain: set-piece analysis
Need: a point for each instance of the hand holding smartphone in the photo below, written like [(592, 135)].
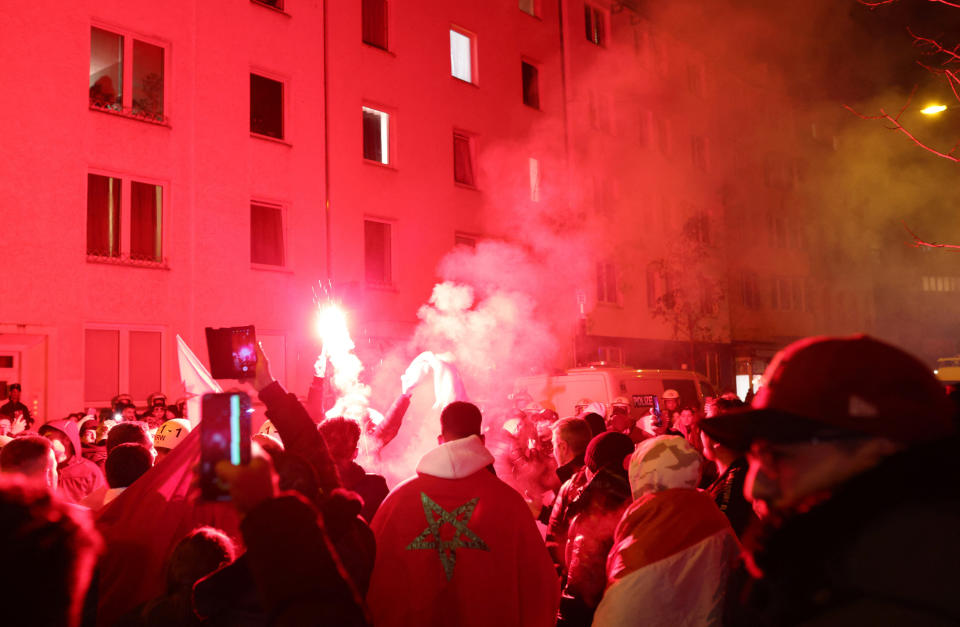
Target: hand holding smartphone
[(232, 351), (224, 437)]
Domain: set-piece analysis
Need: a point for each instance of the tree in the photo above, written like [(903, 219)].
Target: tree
[(690, 296)]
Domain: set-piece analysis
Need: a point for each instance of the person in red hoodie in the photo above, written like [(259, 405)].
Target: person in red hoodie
[(458, 546), (78, 476)]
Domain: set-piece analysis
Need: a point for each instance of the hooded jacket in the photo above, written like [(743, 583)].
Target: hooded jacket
[(457, 546), (78, 476), (673, 548)]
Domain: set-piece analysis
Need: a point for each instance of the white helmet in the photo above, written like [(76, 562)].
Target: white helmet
[(171, 433)]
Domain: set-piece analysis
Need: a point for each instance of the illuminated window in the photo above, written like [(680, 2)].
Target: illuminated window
[(266, 234), (595, 22), (374, 18), (113, 232), (122, 359), (377, 252), (376, 135), (462, 52), (109, 75), (463, 159), (529, 7), (530, 77), (607, 283), (266, 106)]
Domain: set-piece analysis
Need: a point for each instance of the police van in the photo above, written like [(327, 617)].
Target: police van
[(601, 383)]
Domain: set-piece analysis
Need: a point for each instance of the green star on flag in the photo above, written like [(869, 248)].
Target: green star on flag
[(463, 537)]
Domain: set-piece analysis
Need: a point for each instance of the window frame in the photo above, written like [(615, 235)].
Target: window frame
[(123, 365), (284, 100), (391, 134), (386, 26), (474, 66), (391, 257), (598, 16), (284, 221), (126, 73), (526, 61), (126, 224), (472, 143), (609, 271)]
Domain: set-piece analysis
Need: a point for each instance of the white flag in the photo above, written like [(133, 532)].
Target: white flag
[(196, 380)]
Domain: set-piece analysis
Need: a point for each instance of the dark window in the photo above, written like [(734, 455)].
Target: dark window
[(463, 159), (531, 84), (146, 221), (529, 7), (147, 80), (465, 240), (374, 17), (266, 106), (595, 23), (103, 216), (377, 253), (276, 4), (266, 235), (106, 69), (376, 135)]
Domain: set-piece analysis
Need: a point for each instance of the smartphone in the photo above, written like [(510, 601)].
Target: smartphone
[(232, 351), (657, 414), (224, 435)]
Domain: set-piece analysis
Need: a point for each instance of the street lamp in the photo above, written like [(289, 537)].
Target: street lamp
[(933, 109)]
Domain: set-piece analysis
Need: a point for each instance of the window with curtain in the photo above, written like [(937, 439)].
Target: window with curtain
[(376, 135), (103, 215), (106, 69), (377, 253), (266, 234), (606, 282), (463, 159), (531, 84), (147, 80), (101, 380), (374, 18), (266, 106), (146, 221), (461, 55)]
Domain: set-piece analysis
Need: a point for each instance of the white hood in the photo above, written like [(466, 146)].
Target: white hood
[(457, 459)]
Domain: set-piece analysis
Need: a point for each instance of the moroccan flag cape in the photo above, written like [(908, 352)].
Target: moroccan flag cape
[(460, 549), (142, 525), (671, 555)]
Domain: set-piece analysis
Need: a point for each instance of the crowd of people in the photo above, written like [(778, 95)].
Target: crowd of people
[(828, 499)]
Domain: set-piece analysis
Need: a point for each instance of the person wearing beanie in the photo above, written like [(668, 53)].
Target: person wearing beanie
[(673, 549), (594, 514), (78, 477)]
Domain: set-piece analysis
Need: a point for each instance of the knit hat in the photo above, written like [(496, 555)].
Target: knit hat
[(608, 450)]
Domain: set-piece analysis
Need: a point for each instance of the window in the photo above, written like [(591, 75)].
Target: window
[(606, 283), (595, 23), (377, 253), (376, 135), (463, 159), (374, 17), (750, 292), (697, 227), (531, 84), (534, 179), (109, 75), (462, 51), (529, 7), (663, 136), (698, 152), (109, 226), (274, 4), (266, 106), (644, 127), (124, 359), (266, 234), (464, 240), (610, 354)]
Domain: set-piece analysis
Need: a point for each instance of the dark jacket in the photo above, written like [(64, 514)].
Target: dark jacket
[(883, 550), (97, 453), (372, 488), (594, 515), (727, 493), (559, 522)]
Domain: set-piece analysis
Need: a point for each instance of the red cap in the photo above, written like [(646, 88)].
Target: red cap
[(840, 386)]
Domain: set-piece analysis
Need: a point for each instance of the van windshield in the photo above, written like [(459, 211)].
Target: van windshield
[(687, 391)]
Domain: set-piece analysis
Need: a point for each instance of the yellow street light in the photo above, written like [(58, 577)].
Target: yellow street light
[(933, 109)]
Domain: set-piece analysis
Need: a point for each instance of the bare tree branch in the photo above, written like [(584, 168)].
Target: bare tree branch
[(877, 3), (895, 125), (916, 242), (932, 46)]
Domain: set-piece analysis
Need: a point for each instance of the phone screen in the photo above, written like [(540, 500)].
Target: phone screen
[(224, 435), (233, 353)]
